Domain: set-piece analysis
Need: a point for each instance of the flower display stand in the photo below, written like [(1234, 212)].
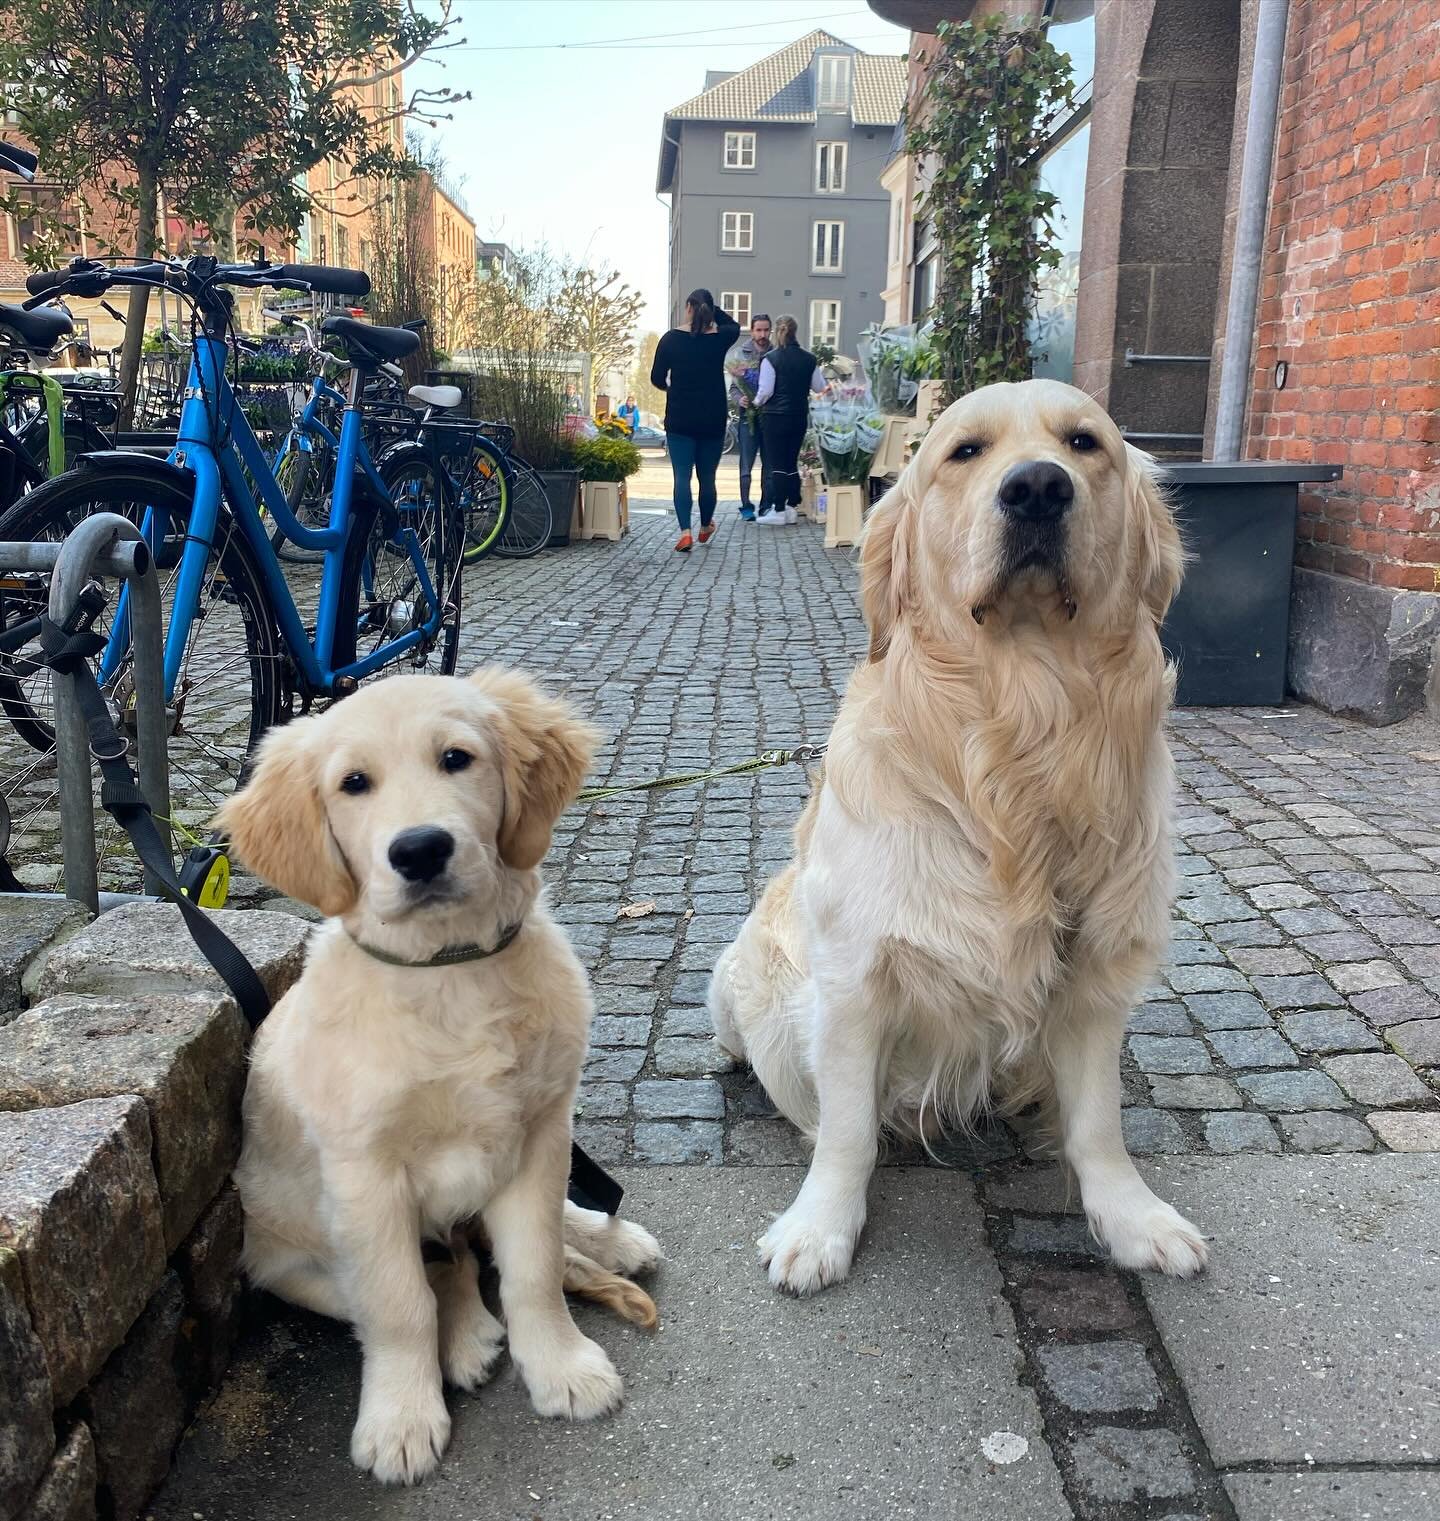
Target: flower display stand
[(844, 515), (602, 510), (809, 490), (893, 454)]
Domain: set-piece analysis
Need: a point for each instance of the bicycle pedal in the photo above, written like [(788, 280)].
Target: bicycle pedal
[(205, 876)]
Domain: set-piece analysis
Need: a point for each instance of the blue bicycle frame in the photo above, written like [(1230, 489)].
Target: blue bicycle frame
[(219, 469), (302, 436)]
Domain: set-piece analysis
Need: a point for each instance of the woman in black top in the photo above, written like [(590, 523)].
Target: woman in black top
[(690, 368), (788, 374)]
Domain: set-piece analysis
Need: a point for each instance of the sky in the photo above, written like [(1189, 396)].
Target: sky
[(560, 143)]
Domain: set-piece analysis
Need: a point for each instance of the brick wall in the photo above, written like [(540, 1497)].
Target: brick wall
[(1350, 298)]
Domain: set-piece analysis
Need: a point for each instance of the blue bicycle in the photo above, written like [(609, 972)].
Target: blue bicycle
[(239, 653)]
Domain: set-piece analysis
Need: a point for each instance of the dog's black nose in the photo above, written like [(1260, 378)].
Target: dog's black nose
[(420, 855), (1039, 491)]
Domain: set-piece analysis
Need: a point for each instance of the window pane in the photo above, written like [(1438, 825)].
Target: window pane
[(837, 168), (1052, 329), (1072, 31)]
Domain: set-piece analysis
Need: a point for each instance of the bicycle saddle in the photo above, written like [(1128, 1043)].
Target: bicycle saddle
[(436, 396), (39, 330), (368, 345)]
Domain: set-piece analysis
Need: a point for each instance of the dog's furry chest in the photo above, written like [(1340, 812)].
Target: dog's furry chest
[(461, 1141)]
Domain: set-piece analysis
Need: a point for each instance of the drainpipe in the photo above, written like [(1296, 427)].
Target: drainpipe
[(1266, 71)]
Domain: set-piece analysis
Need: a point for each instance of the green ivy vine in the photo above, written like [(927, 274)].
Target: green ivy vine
[(993, 95)]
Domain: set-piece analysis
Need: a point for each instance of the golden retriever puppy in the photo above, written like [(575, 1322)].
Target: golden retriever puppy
[(983, 879), (420, 1077)]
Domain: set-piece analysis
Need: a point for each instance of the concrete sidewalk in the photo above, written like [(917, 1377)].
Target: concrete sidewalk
[(980, 1363)]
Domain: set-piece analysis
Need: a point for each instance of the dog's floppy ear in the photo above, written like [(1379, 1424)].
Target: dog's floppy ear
[(545, 751), (885, 563), (1161, 555), (276, 824)]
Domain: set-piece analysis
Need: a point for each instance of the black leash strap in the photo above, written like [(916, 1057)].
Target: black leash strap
[(69, 655)]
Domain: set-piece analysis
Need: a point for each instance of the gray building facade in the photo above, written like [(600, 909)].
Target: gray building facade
[(773, 175)]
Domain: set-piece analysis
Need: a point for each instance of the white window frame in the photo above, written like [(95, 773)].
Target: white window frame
[(739, 236), (738, 303), (825, 166), (832, 82), (827, 250), (739, 142), (830, 331)]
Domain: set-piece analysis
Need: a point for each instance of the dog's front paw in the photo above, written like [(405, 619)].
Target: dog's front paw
[(470, 1347), (806, 1253), (575, 1382), (1153, 1236), (400, 1442)]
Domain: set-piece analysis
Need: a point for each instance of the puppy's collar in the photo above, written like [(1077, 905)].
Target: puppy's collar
[(452, 955)]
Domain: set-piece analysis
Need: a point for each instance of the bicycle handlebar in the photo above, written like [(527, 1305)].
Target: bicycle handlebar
[(18, 161), (89, 277)]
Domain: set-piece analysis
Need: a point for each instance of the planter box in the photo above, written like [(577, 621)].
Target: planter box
[(602, 510), (809, 490), (562, 487), (1229, 629), (844, 515), (891, 455)]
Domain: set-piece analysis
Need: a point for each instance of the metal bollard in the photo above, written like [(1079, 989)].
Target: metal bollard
[(110, 545)]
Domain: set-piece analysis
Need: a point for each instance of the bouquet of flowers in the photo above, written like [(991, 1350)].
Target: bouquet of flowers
[(848, 432), (745, 377), (896, 360)]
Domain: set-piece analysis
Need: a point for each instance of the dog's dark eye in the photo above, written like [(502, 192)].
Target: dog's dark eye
[(1083, 443), (455, 760), (966, 451), (355, 782)]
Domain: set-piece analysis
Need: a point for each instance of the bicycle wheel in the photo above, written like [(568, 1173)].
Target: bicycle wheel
[(391, 597), (231, 686), (531, 521), (305, 476), (484, 492)]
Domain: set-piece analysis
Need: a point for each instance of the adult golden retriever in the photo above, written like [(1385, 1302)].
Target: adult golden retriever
[(983, 879), (421, 1075)]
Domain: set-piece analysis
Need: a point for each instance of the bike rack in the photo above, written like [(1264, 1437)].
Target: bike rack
[(103, 545)]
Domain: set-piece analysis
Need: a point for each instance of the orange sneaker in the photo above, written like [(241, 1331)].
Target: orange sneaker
[(707, 533), (683, 544)]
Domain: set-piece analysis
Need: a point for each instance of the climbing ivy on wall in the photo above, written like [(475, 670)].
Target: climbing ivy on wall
[(993, 94)]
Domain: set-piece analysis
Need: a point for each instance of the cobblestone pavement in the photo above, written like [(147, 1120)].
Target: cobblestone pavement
[(1299, 1014)]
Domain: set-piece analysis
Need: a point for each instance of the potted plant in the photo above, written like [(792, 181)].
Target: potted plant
[(848, 431), (605, 464), (522, 388)]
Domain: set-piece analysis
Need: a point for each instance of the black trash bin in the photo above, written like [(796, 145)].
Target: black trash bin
[(1229, 629)]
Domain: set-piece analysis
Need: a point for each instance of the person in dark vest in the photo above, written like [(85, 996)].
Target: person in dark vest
[(690, 368), (788, 374)]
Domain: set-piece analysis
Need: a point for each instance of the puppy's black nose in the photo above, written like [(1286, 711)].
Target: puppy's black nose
[(1039, 491), (420, 855)]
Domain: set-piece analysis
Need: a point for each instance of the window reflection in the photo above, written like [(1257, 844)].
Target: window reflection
[(1072, 30), (1052, 329)]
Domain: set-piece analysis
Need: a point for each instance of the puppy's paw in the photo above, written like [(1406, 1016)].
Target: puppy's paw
[(575, 1382), (401, 1442), (470, 1347), (806, 1253), (1153, 1236), (631, 1250)]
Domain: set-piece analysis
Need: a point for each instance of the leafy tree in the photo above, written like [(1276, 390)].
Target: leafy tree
[(214, 104)]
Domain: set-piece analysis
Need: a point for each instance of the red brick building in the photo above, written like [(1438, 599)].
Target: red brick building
[(1345, 367)]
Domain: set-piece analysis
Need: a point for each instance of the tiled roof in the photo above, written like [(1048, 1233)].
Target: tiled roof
[(879, 97), (781, 88)]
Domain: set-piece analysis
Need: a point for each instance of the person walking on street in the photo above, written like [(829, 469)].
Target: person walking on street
[(747, 420), (788, 374), (690, 368), (631, 413)]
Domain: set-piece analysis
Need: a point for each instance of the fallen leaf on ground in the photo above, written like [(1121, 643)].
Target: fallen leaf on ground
[(636, 911)]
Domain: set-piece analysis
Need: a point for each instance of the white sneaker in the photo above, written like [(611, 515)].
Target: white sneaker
[(770, 517), (791, 516)]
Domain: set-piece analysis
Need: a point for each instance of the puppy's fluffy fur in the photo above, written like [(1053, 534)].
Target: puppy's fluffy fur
[(388, 1103), (982, 881)]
